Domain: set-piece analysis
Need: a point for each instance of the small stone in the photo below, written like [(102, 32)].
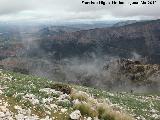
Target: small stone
[(75, 115), (2, 115), (48, 112), (47, 118), (155, 116), (53, 106), (1, 92), (63, 110), (3, 108), (89, 118), (96, 118), (76, 101), (153, 111), (17, 107)]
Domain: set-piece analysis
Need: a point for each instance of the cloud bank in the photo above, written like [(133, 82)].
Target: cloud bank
[(74, 10)]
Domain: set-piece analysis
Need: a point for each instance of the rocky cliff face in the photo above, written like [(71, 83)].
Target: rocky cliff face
[(137, 75)]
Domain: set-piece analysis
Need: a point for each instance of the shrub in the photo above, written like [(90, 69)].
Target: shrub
[(9, 92), (86, 110), (39, 108), (80, 96), (106, 116), (65, 103), (121, 116), (101, 111), (61, 87), (18, 98), (27, 104), (107, 113)]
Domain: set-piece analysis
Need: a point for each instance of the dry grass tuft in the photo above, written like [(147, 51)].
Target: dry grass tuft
[(86, 110), (91, 107), (105, 112), (81, 96)]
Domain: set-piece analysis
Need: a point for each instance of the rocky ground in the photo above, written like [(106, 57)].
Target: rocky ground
[(31, 98)]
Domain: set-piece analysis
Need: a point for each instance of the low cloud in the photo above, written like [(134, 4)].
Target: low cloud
[(74, 9)]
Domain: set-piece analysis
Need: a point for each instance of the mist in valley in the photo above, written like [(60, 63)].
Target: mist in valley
[(90, 69)]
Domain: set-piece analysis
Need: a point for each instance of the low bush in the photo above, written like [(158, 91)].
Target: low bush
[(106, 116), (86, 110), (65, 103), (61, 87), (79, 95), (107, 113)]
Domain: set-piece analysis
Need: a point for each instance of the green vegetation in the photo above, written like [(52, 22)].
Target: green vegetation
[(46, 98)]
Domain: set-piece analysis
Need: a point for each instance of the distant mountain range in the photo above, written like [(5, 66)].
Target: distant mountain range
[(142, 38)]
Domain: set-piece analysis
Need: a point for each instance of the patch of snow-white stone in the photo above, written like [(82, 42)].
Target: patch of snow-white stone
[(32, 98), (47, 100), (50, 91)]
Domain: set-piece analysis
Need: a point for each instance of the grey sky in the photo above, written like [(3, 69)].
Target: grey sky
[(74, 10)]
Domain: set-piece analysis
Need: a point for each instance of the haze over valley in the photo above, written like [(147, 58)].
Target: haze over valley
[(81, 54), (68, 60)]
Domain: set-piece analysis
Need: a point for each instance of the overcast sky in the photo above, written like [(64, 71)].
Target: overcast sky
[(74, 10)]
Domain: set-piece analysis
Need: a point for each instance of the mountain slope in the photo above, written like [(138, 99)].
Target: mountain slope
[(36, 98), (141, 37)]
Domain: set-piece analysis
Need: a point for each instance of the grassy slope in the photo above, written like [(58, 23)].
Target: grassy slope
[(144, 106)]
